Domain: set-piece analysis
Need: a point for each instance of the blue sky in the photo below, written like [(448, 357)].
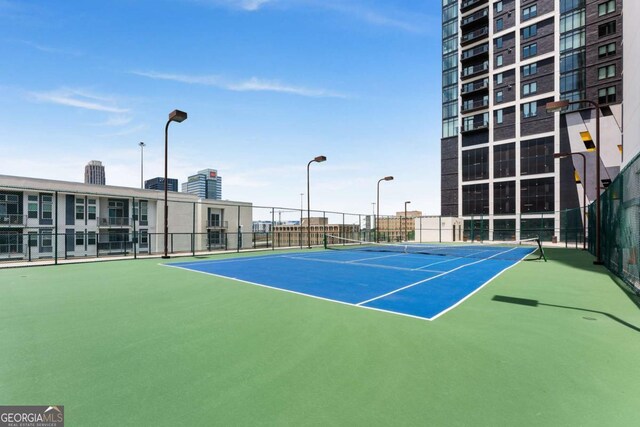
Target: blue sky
[(268, 85)]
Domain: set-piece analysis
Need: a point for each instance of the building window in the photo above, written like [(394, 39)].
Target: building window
[(144, 238), (499, 7), (607, 95), (33, 239), (32, 207), (573, 40), (607, 50), (530, 12), (144, 212), (79, 208), (475, 164), (530, 70), (504, 160), (91, 238), (606, 7), (499, 78), (449, 128), (46, 241), (537, 195), (536, 156), (607, 29), (79, 238), (499, 43), (530, 31), (606, 72), (504, 197), (529, 50), (572, 21), (475, 199), (499, 60), (529, 88), (46, 206), (530, 109), (499, 96), (499, 117), (91, 209), (499, 24)]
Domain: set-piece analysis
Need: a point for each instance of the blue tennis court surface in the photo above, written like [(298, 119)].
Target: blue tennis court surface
[(417, 285)]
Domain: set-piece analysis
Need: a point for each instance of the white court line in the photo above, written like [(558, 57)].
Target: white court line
[(478, 289), (431, 278), (435, 263), (376, 257), (297, 293), (360, 264)]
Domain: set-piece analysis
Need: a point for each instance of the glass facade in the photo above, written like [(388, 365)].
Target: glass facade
[(449, 68)]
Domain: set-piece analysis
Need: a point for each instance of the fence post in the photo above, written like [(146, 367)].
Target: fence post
[(55, 219)]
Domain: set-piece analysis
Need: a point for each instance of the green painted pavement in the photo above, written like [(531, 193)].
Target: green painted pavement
[(134, 343)]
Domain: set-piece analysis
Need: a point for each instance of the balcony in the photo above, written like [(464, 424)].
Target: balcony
[(474, 35), (217, 224), (468, 4), (475, 17), (475, 52), (475, 70), (474, 104), (113, 221), (475, 86), (13, 220), (475, 126)]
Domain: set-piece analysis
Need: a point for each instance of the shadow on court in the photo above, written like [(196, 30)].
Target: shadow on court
[(536, 303)]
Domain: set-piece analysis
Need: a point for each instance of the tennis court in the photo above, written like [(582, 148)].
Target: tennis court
[(421, 281)]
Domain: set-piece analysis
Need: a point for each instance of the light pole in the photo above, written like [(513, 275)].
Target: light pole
[(142, 145), (584, 191), (318, 159), (178, 117), (406, 232), (553, 107), (386, 178)]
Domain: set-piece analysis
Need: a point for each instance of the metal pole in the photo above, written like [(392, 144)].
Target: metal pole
[(166, 206), (308, 207), (142, 145), (598, 260), (378, 212)]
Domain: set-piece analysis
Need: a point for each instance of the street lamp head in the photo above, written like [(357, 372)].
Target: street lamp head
[(560, 155), (177, 116), (320, 159), (553, 107), (388, 178), (142, 144), (408, 201)]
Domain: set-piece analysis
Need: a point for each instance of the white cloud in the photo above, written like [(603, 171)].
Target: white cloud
[(253, 84), (49, 49), (79, 99)]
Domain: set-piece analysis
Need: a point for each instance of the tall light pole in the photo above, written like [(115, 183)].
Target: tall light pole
[(318, 159), (142, 145), (584, 191), (562, 105), (178, 117), (386, 178), (406, 232)]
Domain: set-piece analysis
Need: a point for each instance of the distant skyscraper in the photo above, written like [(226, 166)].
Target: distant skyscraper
[(158, 184), (206, 184), (94, 173)]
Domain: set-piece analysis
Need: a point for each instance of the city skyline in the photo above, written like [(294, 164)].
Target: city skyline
[(267, 86)]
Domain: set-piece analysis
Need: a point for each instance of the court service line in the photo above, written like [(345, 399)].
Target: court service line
[(361, 264), (431, 278), (435, 263)]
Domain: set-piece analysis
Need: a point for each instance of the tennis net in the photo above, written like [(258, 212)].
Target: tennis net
[(529, 249)]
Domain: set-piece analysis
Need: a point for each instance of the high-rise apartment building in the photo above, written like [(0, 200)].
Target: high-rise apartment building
[(503, 61), (94, 173), (207, 184), (158, 184)]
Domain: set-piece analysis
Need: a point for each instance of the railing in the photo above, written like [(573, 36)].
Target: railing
[(13, 219), (469, 127), (478, 50), (473, 35), (475, 17), (113, 221), (467, 4), (475, 69), (217, 224), (475, 104), (474, 86)]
